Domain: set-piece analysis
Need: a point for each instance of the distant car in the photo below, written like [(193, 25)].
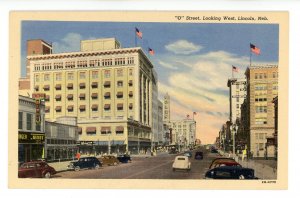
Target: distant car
[(199, 155), (36, 169), (181, 163), (109, 160), (230, 172), (218, 160), (85, 163), (173, 152), (124, 158), (188, 154)]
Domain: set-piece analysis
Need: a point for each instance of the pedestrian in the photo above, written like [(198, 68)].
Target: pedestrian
[(244, 154), (78, 155)]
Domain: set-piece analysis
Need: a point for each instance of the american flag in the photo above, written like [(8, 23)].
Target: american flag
[(151, 51), (235, 69), (254, 49), (138, 33)]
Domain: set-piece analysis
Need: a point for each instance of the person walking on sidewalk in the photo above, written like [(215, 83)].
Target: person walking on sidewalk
[(244, 154), (78, 155)]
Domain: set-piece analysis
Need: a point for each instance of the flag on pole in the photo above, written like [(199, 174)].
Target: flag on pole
[(138, 33), (254, 49), (235, 69), (151, 51)]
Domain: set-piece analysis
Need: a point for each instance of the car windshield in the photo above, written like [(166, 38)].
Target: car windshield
[(181, 158)]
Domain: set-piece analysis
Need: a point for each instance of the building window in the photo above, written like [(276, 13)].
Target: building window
[(120, 94), (46, 77), (94, 96), (20, 120), (130, 60), (70, 86), (130, 72), (82, 108), (58, 97), (58, 86), (94, 74), (265, 75), (106, 73), (261, 109), (119, 72), (237, 99), (82, 85), (94, 107), (130, 106), (106, 84), (237, 106), (105, 130), (82, 96), (70, 108), (37, 78), (130, 94), (107, 95), (119, 130), (261, 146), (70, 97), (47, 109), (58, 77), (107, 107), (70, 76), (256, 76), (82, 75), (120, 107), (29, 121), (58, 109), (94, 85), (120, 83), (70, 64), (261, 121)]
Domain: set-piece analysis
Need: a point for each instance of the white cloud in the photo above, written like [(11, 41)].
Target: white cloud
[(202, 86), (167, 65), (183, 47), (70, 43)]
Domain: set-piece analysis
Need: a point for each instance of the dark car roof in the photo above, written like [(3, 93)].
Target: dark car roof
[(233, 168)]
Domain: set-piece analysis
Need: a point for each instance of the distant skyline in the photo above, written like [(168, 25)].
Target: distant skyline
[(193, 60)]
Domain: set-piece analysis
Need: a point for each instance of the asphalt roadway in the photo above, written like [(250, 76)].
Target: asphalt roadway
[(156, 167)]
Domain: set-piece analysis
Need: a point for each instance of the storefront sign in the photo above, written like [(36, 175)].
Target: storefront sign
[(31, 138)]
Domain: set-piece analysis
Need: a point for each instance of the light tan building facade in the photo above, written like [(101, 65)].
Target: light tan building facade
[(108, 89), (262, 89)]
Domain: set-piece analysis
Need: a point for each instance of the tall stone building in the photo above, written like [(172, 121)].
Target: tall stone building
[(183, 132), (262, 88), (166, 110), (108, 88)]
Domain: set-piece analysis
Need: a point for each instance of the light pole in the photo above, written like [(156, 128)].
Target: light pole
[(234, 129)]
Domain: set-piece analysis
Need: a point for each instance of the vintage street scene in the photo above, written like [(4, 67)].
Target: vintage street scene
[(147, 100)]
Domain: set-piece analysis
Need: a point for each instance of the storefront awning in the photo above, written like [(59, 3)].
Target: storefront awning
[(91, 129)]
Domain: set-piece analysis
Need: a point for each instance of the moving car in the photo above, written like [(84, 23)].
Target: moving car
[(199, 155), (109, 160), (124, 158), (36, 169), (221, 159), (230, 172), (188, 153), (181, 163), (225, 163), (85, 162)]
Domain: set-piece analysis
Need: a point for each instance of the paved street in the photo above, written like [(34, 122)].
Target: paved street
[(158, 167)]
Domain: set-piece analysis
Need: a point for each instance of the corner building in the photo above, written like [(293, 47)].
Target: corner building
[(262, 82), (108, 89)]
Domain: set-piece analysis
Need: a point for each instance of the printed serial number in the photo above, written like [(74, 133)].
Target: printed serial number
[(269, 182)]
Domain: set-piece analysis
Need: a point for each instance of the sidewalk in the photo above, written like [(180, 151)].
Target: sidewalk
[(264, 169)]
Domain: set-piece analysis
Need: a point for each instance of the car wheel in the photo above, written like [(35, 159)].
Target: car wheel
[(47, 175), (241, 177), (77, 168), (97, 166)]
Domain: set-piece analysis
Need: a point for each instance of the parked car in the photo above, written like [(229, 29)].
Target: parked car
[(109, 160), (181, 163), (198, 155), (36, 169), (173, 151), (124, 158), (225, 163), (188, 154), (84, 163), (230, 172), (221, 159)]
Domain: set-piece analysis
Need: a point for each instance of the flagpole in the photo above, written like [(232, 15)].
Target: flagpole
[(250, 56), (135, 41)]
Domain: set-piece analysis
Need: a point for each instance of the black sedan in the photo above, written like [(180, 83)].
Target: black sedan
[(84, 163), (230, 172), (124, 158)]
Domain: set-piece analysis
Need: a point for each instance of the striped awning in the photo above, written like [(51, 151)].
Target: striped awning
[(119, 128), (106, 83), (94, 95), (107, 106), (70, 107), (82, 95), (104, 129), (82, 107), (58, 86), (120, 93), (70, 85), (91, 129), (94, 106)]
